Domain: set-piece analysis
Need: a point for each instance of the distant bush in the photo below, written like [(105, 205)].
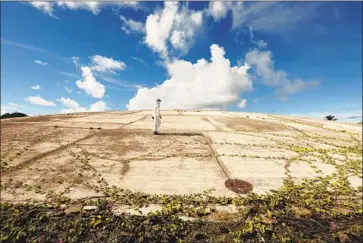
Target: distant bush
[(11, 115), (331, 118)]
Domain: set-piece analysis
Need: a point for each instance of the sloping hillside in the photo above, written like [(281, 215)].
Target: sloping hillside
[(209, 165)]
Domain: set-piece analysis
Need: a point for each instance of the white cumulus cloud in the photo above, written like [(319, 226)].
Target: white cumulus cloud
[(69, 103), (202, 85), (106, 64), (46, 7), (295, 86), (73, 110), (92, 6), (72, 106), (37, 100), (172, 26), (186, 23), (218, 10), (263, 64), (40, 62), (265, 67), (131, 26), (158, 27), (11, 107), (36, 87), (268, 16), (98, 106), (89, 84)]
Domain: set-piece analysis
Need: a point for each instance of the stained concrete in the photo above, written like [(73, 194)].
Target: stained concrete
[(80, 155)]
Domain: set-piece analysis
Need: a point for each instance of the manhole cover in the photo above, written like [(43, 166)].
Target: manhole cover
[(238, 186)]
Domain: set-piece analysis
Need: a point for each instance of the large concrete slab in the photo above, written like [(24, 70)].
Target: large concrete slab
[(58, 173), (204, 113), (252, 151), (109, 118), (301, 169), (247, 124), (79, 155), (263, 174), (176, 123), (239, 138), (176, 176), (164, 112), (86, 125), (135, 144), (22, 143)]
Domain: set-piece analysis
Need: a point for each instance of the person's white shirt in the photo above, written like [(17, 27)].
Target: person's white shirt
[(157, 117), (156, 111)]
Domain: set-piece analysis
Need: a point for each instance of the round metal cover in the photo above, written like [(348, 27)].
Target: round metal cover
[(238, 186)]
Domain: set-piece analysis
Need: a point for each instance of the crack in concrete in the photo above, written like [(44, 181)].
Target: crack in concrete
[(218, 128), (224, 170), (28, 162), (304, 135)]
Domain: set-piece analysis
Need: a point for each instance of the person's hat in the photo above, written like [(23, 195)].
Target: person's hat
[(158, 100)]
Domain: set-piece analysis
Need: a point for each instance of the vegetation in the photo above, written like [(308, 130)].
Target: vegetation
[(11, 115), (324, 209), (331, 118)]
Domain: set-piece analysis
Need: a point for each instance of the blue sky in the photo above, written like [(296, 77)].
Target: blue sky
[(297, 58)]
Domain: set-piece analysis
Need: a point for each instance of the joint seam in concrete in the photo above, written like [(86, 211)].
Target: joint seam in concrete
[(29, 161), (224, 170), (219, 129)]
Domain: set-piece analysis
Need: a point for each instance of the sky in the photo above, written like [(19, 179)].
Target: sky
[(289, 58)]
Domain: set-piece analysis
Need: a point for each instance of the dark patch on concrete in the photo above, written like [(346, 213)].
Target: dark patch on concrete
[(125, 168), (48, 118), (238, 186), (252, 125), (186, 134)]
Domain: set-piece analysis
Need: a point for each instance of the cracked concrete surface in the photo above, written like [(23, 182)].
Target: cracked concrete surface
[(79, 155)]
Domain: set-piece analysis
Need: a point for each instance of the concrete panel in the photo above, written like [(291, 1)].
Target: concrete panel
[(86, 125), (58, 173), (136, 144), (204, 113), (304, 170), (124, 153), (252, 151), (176, 123), (239, 138), (163, 112), (109, 118), (264, 175), (175, 176)]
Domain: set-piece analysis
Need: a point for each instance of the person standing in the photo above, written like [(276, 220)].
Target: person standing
[(156, 117)]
